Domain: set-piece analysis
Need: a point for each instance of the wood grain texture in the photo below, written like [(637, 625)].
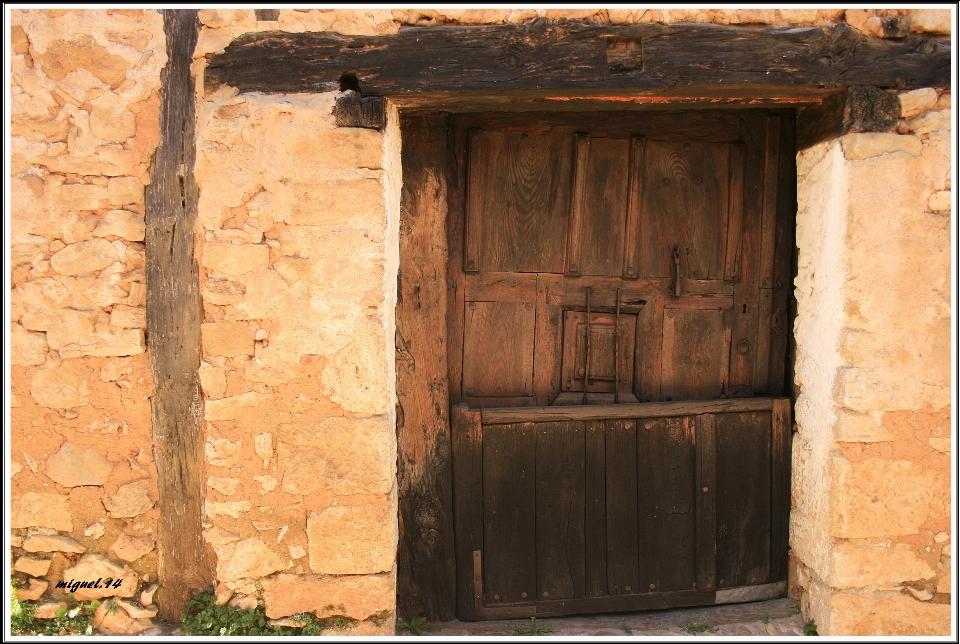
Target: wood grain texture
[(605, 207), (781, 456), (174, 315), (595, 510), (567, 55), (643, 410), (467, 443), (578, 197), (706, 495), (734, 213), (498, 349), (693, 354), (622, 519), (631, 242), (426, 565), (783, 300), (476, 173)]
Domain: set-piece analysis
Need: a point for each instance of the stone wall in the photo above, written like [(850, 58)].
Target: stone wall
[(870, 526), (84, 128)]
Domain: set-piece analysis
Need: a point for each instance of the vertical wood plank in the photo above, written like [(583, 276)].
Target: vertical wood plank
[(743, 498), (706, 502), (547, 344), (498, 347), (761, 381), (769, 220), (475, 190), (466, 440), (693, 344), (781, 322), (426, 563), (667, 504), (780, 456), (456, 188), (734, 213), (631, 243), (621, 483), (577, 204), (509, 513), (174, 314), (649, 343), (595, 520), (560, 510), (605, 208)]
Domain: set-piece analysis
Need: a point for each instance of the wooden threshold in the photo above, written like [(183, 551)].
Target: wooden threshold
[(504, 415)]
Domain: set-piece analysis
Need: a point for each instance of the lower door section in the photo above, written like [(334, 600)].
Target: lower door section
[(603, 508)]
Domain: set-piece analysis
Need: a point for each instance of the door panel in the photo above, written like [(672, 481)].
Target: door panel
[(605, 207), (694, 356), (500, 336)]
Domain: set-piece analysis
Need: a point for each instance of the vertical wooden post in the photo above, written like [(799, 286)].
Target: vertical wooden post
[(174, 314)]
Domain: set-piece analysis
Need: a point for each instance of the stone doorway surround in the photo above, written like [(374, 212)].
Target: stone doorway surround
[(297, 245)]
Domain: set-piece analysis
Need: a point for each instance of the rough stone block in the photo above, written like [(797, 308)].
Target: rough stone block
[(917, 102), (43, 293), (71, 467), (352, 540), (26, 348), (42, 542), (114, 622), (873, 144), (131, 548), (226, 508), (32, 566), (41, 509), (235, 259), (229, 339), (936, 21), (930, 122), (92, 567), (213, 380), (123, 342), (84, 257), (116, 124), (247, 559), (121, 223), (79, 196), (354, 596), (857, 565), (235, 407), (222, 452), (33, 591), (65, 56), (128, 317), (58, 389), (865, 614), (223, 485), (940, 201), (130, 500), (356, 377), (124, 190), (347, 147), (355, 201)]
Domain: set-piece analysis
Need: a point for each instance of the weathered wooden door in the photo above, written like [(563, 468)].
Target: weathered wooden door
[(597, 263)]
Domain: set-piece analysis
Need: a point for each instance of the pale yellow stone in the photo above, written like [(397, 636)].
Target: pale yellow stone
[(235, 259), (128, 317), (84, 257), (79, 196), (222, 292), (218, 536), (114, 622), (866, 614), (137, 612), (94, 566), (222, 452), (58, 389), (124, 190), (41, 509), (861, 565), (340, 455), (130, 548), (235, 407), (63, 57), (213, 379), (940, 201), (123, 342), (223, 485), (943, 584), (267, 483), (228, 339), (227, 508), (935, 21), (263, 445), (48, 610), (940, 443), (930, 122), (43, 293), (916, 102), (41, 541), (249, 558), (320, 203), (71, 467), (27, 348), (244, 602), (356, 377), (32, 566), (113, 123), (146, 596), (352, 540), (872, 144), (348, 147), (33, 592), (354, 596), (121, 223), (130, 500)]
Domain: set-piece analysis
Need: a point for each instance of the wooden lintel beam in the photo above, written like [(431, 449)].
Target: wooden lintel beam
[(569, 56)]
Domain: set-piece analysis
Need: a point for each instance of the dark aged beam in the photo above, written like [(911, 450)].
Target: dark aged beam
[(174, 314), (568, 56)]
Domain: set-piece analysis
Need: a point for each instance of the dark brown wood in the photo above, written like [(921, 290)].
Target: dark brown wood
[(595, 510), (267, 14), (781, 319), (631, 251), (509, 513), (623, 603), (743, 498), (560, 473), (567, 55), (643, 410), (734, 213), (622, 519), (498, 360), (426, 564), (352, 110), (475, 189), (174, 315), (649, 350), (780, 453), (456, 176), (853, 109), (693, 354), (577, 204), (467, 443), (546, 357), (706, 495), (605, 207), (768, 249)]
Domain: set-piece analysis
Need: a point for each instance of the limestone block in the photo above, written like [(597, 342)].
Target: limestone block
[(27, 249), (223, 485), (940, 201), (79, 196), (213, 379), (43, 293), (917, 102), (222, 452), (121, 223), (235, 259), (348, 147), (124, 190), (137, 612), (935, 21), (115, 124), (356, 377), (267, 483), (217, 537), (131, 548), (41, 509), (943, 584), (355, 596), (84, 257), (48, 610), (130, 500), (106, 291), (116, 622), (146, 596), (857, 565), (32, 566), (248, 559), (33, 591), (352, 540), (244, 602), (320, 203), (227, 508), (94, 530), (128, 317), (930, 122), (865, 614), (71, 467), (38, 541), (58, 389), (27, 348), (342, 455), (235, 407), (222, 292), (872, 144), (940, 443), (229, 339), (65, 56), (123, 342)]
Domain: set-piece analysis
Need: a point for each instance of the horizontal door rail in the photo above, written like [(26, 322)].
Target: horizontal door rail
[(503, 415)]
